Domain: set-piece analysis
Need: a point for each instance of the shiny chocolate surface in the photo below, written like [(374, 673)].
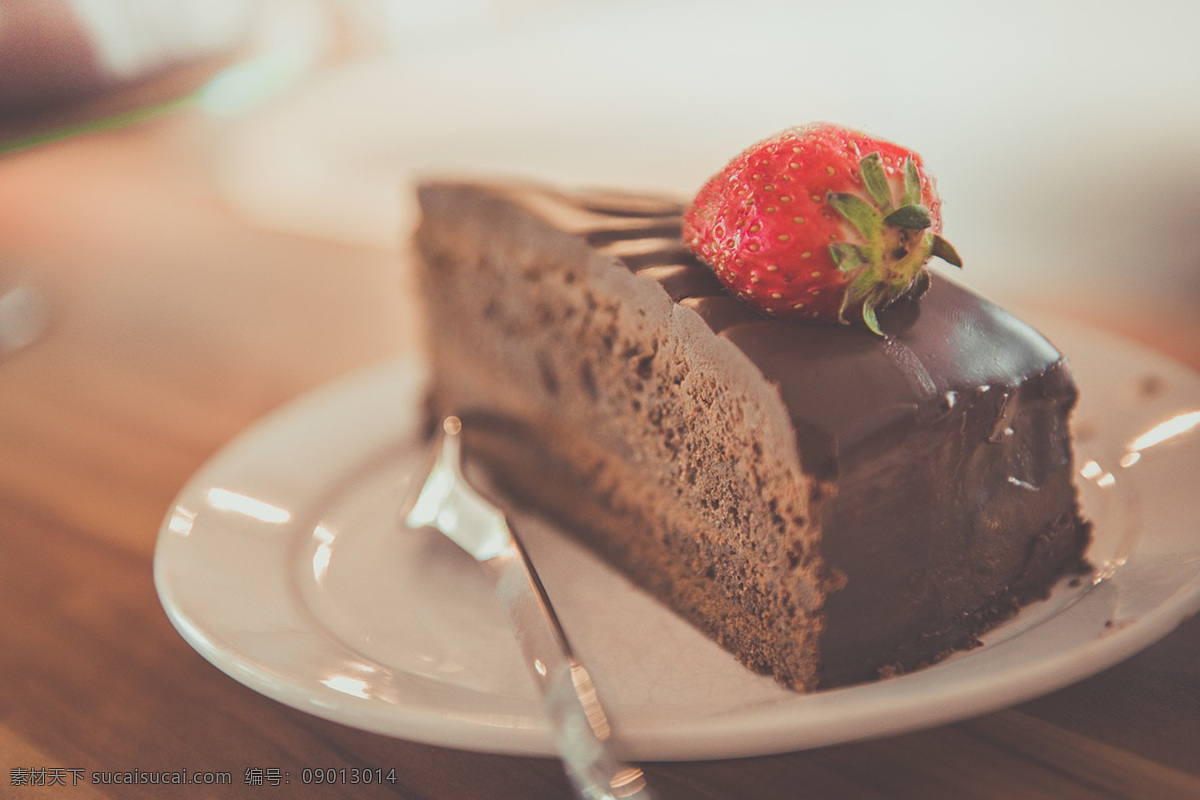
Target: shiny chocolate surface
[(947, 441)]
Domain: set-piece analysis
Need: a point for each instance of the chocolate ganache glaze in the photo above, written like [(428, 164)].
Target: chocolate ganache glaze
[(954, 371), (932, 444)]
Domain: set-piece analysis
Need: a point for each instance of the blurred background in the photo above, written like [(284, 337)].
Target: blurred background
[(204, 209), (1065, 140)]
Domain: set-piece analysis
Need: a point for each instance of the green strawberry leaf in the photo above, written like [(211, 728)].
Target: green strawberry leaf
[(876, 180), (869, 314), (862, 216), (912, 183), (913, 217), (945, 251), (848, 257), (861, 285)]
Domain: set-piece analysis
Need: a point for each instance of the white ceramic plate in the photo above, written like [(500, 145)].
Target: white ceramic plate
[(283, 564)]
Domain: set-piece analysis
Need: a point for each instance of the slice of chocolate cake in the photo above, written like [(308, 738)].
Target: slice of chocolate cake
[(830, 505)]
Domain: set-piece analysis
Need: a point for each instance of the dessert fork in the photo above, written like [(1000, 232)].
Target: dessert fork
[(446, 502)]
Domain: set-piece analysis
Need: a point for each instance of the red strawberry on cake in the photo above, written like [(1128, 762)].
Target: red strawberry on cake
[(819, 223)]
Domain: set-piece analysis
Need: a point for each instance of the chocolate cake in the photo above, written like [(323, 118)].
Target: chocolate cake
[(830, 505)]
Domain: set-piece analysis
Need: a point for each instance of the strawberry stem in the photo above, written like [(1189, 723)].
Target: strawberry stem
[(891, 259)]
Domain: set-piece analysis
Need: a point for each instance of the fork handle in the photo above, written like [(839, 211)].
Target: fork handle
[(581, 730)]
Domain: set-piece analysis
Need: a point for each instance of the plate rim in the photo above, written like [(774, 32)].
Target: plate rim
[(770, 729)]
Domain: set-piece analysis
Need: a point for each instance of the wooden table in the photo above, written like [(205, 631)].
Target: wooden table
[(174, 324)]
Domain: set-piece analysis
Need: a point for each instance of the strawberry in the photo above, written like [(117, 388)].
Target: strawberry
[(819, 223)]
